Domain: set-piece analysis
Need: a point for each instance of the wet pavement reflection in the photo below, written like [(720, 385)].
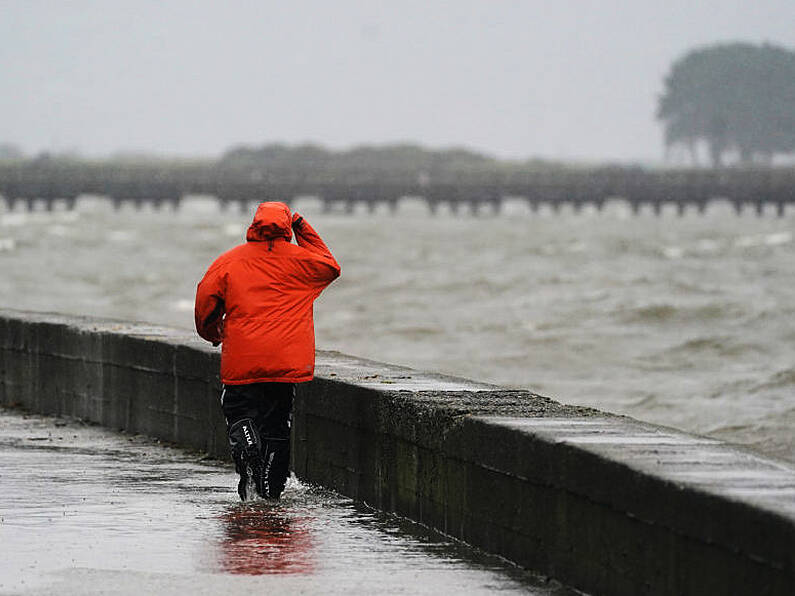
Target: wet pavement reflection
[(84, 510), (264, 538)]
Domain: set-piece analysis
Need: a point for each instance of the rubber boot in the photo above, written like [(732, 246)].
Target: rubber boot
[(275, 466), (246, 447)]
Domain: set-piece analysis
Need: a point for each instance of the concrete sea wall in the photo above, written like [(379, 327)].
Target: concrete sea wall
[(602, 502)]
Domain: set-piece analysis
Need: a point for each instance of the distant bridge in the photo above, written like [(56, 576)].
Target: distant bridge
[(54, 186)]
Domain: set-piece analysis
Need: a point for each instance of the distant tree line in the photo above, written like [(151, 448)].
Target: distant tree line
[(401, 157), (384, 162), (734, 97), (399, 163), (9, 151)]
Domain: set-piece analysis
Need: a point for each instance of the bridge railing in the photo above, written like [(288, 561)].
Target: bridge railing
[(477, 192)]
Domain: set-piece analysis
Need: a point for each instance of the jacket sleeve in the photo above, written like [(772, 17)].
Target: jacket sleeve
[(326, 268), (210, 306)]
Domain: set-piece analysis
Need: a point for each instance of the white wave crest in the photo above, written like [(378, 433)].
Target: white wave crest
[(778, 238), (673, 252), (182, 305), (233, 229)]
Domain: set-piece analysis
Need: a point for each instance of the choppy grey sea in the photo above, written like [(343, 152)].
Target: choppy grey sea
[(687, 322)]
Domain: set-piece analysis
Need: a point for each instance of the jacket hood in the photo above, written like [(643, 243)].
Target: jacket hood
[(272, 220)]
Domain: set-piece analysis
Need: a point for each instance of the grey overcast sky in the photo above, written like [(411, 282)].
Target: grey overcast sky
[(562, 79)]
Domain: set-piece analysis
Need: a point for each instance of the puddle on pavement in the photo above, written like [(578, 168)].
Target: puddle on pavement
[(85, 510)]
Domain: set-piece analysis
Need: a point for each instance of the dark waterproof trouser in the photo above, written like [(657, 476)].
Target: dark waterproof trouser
[(265, 408)]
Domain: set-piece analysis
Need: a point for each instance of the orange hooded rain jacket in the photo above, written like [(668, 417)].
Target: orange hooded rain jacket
[(256, 299)]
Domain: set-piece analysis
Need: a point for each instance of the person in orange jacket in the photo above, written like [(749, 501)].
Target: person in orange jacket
[(256, 300)]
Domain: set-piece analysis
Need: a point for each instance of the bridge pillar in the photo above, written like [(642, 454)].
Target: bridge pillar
[(780, 206), (658, 208), (760, 208), (680, 208)]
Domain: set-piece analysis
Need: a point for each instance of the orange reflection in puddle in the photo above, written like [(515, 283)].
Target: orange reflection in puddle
[(265, 539)]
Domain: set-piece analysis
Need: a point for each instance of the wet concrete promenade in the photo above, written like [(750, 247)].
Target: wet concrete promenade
[(84, 510), (606, 503)]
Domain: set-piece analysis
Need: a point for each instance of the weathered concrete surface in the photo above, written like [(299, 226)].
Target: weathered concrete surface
[(86, 511), (606, 503)]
